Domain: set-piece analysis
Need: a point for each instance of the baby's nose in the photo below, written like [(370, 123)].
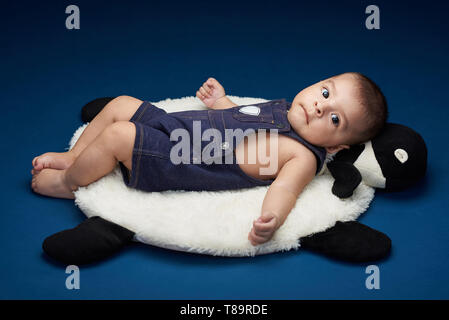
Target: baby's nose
[(318, 109)]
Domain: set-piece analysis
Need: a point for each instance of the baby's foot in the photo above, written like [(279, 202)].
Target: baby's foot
[(51, 182), (53, 160)]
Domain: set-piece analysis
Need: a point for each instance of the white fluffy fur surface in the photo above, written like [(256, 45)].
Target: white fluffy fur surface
[(214, 222)]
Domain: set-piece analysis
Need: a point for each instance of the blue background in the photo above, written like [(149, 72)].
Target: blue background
[(164, 49)]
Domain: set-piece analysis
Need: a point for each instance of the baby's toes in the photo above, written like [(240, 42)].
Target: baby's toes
[(39, 160), (38, 164), (34, 161), (33, 183)]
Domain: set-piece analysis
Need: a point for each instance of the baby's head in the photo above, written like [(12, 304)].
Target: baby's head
[(340, 111)]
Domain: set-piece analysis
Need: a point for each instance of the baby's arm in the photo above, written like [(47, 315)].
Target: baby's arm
[(213, 95), (223, 103), (282, 195)]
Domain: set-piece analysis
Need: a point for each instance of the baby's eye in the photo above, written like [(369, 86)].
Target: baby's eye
[(335, 119), (325, 93)]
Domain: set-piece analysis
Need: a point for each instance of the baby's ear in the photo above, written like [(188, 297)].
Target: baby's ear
[(335, 149)]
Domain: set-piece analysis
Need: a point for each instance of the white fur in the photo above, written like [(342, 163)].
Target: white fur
[(215, 223)]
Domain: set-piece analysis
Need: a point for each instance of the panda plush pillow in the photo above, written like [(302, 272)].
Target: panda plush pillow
[(218, 223)]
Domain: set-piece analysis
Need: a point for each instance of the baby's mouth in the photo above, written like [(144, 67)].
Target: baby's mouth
[(305, 112)]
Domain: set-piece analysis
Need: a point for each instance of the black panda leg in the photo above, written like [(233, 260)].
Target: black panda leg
[(91, 109), (349, 241), (93, 240)]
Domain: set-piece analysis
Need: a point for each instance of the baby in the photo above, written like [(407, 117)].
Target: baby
[(323, 118)]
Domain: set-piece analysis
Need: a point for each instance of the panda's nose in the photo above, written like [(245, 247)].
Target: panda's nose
[(401, 155)]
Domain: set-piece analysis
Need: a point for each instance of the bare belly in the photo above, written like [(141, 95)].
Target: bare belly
[(269, 162)]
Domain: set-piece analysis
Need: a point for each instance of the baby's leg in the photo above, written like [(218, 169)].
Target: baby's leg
[(119, 109), (115, 143)]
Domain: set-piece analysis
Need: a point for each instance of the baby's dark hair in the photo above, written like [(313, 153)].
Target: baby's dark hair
[(375, 105)]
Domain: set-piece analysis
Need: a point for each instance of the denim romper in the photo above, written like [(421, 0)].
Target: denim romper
[(152, 169)]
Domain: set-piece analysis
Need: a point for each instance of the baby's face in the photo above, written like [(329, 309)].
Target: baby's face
[(328, 113)]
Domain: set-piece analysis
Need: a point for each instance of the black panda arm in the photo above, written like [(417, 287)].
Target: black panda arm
[(91, 109), (346, 176), (349, 241)]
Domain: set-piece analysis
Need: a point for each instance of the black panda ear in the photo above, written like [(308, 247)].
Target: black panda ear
[(350, 155), (91, 109), (402, 156)]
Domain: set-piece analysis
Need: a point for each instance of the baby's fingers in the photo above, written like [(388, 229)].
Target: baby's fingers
[(208, 88), (263, 226), (261, 233), (204, 92), (200, 95), (214, 84), (255, 239), (211, 82)]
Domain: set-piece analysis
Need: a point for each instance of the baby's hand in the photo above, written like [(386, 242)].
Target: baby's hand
[(263, 229), (210, 92)]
